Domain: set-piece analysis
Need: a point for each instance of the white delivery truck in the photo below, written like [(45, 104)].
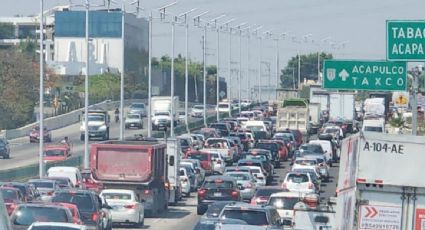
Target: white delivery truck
[(374, 108), (380, 184), (341, 106), (314, 112), (161, 111), (173, 173), (293, 114), (318, 95)]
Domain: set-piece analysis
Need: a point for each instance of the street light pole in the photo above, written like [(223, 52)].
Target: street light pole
[(240, 70), (230, 70), (172, 78), (41, 105), (259, 69), (86, 92), (247, 65), (277, 65), (150, 77), (214, 20), (186, 69), (122, 73), (299, 71), (205, 75)]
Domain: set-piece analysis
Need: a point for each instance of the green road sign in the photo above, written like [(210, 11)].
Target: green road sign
[(364, 75), (405, 40)]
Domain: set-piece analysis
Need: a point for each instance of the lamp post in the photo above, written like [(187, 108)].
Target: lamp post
[(172, 115), (255, 31), (86, 92), (122, 73), (41, 96), (186, 69), (240, 66), (197, 22), (214, 20)]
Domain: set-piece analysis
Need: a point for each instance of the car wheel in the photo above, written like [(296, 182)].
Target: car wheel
[(140, 223)]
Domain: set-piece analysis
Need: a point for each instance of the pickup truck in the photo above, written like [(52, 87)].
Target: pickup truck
[(224, 147)]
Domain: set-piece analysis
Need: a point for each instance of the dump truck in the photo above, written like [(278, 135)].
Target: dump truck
[(293, 114)]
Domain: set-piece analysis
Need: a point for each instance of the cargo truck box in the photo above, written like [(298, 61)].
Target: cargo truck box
[(341, 106), (293, 114)]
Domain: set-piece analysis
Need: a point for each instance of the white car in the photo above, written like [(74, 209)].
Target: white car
[(55, 225), (299, 182), (126, 206), (327, 148), (184, 180), (322, 165), (218, 163), (306, 163), (284, 202), (134, 120), (197, 164), (224, 107), (259, 175), (138, 108), (197, 111)]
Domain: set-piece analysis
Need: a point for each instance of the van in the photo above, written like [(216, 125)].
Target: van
[(374, 126), (72, 173)]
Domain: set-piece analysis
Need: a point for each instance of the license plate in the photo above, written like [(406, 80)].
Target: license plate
[(217, 194)]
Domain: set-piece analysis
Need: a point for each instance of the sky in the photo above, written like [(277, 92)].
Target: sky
[(360, 25)]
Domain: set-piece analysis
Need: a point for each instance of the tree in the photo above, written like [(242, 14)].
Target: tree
[(101, 87), (308, 66), (6, 30), (18, 88)]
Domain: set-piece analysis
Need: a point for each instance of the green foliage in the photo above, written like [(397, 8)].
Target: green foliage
[(6, 30), (308, 64), (28, 46), (101, 87), (18, 88), (397, 121)]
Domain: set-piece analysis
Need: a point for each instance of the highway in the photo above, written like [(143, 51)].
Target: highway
[(183, 216), (23, 153)]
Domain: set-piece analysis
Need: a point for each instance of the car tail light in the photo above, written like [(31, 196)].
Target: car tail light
[(229, 151), (50, 193), (249, 185), (130, 206), (235, 194), (184, 179), (147, 192), (94, 216), (218, 161), (284, 185), (202, 193)]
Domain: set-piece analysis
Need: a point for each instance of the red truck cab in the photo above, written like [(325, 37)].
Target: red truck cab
[(58, 152), (205, 158)]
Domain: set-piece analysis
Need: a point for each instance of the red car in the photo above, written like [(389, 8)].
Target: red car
[(88, 181), (12, 197), (59, 152), (74, 211), (283, 150), (35, 134), (205, 158)]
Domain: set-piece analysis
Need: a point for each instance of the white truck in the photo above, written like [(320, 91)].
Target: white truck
[(293, 114), (318, 95), (374, 108), (161, 111), (380, 184), (314, 112), (98, 124), (173, 165), (342, 106)]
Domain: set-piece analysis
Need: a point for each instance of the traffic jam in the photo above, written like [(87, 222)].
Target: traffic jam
[(248, 169)]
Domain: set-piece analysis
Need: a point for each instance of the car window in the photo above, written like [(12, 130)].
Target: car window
[(214, 209), (267, 191), (239, 176), (84, 202), (133, 116), (313, 148), (52, 228), (117, 196), (42, 184), (28, 215), (373, 129), (9, 194), (182, 172), (251, 217), (201, 157), (283, 202), (54, 152), (268, 146), (215, 184), (297, 178), (305, 162)]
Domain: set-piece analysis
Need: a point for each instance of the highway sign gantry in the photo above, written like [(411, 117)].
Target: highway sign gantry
[(364, 75), (405, 40)]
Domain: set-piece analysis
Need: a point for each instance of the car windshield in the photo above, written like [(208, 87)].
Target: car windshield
[(238, 176), (54, 153), (162, 114), (133, 116), (297, 178), (255, 128), (218, 126), (249, 163), (116, 196), (283, 202), (306, 162), (95, 118), (63, 182), (216, 184), (312, 148), (184, 142), (215, 208), (9, 194), (256, 157), (137, 106), (83, 201), (373, 129), (28, 215), (216, 141), (198, 107), (42, 184), (255, 170), (283, 136), (53, 228), (251, 217), (331, 130), (181, 172), (242, 136), (215, 156), (223, 106), (269, 146), (200, 156), (267, 191)]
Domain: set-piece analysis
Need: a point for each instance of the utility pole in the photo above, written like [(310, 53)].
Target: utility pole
[(122, 73), (205, 74), (150, 78), (86, 92), (41, 96), (277, 65), (172, 79), (417, 71), (240, 70), (214, 20), (299, 71)]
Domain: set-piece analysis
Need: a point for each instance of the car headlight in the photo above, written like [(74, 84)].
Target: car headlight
[(102, 128)]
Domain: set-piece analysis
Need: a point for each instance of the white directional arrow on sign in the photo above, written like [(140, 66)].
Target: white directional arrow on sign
[(343, 74)]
